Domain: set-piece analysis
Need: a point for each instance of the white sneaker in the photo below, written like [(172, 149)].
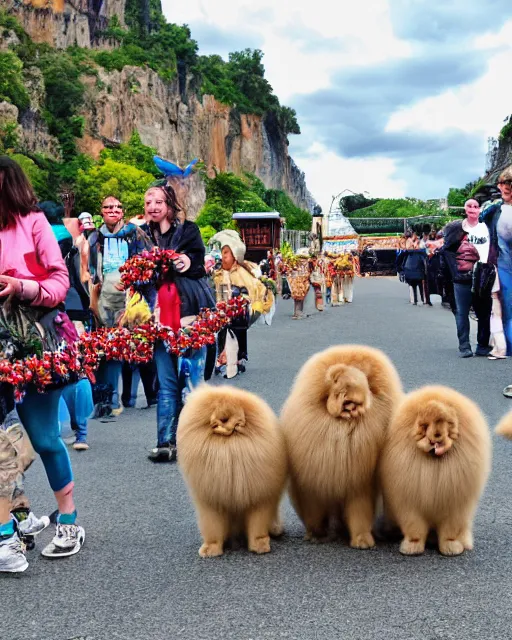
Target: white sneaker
[(68, 540), (12, 555), (32, 525)]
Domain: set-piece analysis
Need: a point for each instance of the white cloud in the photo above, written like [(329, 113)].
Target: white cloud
[(306, 42)]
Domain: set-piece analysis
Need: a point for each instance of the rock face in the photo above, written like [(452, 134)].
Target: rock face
[(182, 126), (498, 158), (78, 23), (168, 115)]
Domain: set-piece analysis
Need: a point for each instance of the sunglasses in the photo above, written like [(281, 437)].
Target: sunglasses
[(110, 207), (507, 183)]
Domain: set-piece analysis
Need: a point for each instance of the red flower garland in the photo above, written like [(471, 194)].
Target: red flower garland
[(146, 267), (118, 343)]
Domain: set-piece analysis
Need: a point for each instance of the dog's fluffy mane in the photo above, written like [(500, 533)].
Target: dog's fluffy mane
[(233, 472)]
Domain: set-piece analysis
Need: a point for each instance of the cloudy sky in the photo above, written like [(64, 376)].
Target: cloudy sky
[(394, 97)]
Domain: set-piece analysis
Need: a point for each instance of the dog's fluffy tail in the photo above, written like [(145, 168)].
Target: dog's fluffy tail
[(504, 427)]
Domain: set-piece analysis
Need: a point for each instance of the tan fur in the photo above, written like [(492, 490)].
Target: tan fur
[(232, 456), (504, 427), (434, 467), (334, 422)]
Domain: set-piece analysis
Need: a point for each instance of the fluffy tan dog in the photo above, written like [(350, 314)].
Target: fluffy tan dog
[(434, 468), (232, 456), (504, 427), (334, 422)]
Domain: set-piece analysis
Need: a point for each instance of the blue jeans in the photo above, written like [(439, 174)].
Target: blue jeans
[(505, 276), (169, 397), (464, 299), (39, 414), (109, 372), (78, 398)]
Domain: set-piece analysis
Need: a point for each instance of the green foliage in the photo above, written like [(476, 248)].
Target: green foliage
[(9, 23), (287, 118), (133, 153), (215, 216), (9, 136), (207, 233), (64, 97), (506, 131), (37, 176), (354, 202), (296, 218), (241, 83), (397, 208), (114, 31), (457, 197), (112, 178), (11, 80)]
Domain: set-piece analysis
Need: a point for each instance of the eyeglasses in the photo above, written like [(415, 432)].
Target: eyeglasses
[(507, 183), (112, 206)]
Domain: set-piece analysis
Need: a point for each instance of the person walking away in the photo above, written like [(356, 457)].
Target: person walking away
[(35, 277), (414, 268), (465, 253), (110, 246)]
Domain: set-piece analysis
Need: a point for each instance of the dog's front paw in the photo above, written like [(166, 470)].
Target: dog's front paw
[(211, 550)]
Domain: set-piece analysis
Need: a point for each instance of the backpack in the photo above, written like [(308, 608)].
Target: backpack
[(77, 298)]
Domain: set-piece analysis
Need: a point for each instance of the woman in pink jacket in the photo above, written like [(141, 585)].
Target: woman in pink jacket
[(33, 271)]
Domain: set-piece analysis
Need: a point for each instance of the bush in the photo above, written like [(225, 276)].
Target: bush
[(112, 178), (37, 176), (213, 214), (12, 88), (396, 208), (207, 233), (296, 218), (133, 153)]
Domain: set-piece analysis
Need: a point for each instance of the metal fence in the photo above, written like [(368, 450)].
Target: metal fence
[(392, 225), (296, 239)]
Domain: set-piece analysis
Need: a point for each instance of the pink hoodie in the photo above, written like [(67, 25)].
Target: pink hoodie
[(29, 251)]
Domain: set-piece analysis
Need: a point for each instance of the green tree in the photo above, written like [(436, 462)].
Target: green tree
[(287, 119), (207, 233), (38, 177), (134, 153), (12, 88), (248, 73), (354, 202), (296, 218), (214, 215), (112, 178)]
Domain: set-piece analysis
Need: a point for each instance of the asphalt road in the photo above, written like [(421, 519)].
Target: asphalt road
[(139, 576)]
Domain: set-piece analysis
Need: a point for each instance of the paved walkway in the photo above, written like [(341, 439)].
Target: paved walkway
[(139, 576)]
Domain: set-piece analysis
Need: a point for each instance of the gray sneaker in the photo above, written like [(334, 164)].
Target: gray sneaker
[(68, 540), (12, 555), (32, 525)]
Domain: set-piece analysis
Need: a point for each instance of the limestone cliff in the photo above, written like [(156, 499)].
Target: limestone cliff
[(184, 126), (169, 116), (499, 157), (79, 23)]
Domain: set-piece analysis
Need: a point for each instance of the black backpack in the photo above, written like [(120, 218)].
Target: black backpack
[(77, 299)]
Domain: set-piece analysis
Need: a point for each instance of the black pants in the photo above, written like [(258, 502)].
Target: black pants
[(482, 305), (149, 382), (415, 284)]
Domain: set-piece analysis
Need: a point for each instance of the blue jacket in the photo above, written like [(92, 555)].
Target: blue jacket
[(490, 215)]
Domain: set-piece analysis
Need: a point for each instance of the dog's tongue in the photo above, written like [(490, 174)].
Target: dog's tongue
[(438, 450)]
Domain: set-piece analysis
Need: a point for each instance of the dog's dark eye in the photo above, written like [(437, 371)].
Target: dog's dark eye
[(424, 425)]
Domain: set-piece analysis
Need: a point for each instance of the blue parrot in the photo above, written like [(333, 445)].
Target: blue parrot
[(171, 169)]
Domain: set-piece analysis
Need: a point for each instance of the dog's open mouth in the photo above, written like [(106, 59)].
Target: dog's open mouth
[(438, 449)]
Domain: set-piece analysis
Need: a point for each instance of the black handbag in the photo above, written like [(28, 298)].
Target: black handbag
[(484, 276)]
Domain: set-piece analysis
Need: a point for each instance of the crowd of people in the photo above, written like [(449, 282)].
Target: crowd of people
[(64, 279), (469, 264)]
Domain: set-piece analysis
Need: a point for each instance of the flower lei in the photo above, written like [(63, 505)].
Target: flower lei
[(145, 268), (118, 343)]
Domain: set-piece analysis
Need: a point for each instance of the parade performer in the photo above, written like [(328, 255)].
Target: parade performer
[(181, 293), (33, 284), (110, 246), (236, 277)]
